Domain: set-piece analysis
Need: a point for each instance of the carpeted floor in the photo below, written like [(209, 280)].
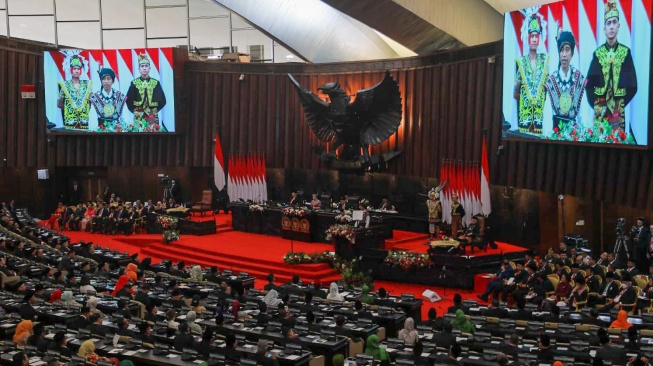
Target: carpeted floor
[(261, 254)]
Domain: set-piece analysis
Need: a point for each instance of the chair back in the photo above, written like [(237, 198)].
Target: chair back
[(555, 280), (207, 196), (641, 281)]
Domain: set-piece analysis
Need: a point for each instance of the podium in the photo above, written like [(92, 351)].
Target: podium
[(296, 228), (372, 237)]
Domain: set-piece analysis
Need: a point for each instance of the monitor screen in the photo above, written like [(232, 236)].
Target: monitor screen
[(578, 71), (109, 91)]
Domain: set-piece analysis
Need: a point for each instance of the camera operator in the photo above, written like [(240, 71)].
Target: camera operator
[(640, 236)]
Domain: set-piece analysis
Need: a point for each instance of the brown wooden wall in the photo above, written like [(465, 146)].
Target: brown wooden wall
[(449, 99)]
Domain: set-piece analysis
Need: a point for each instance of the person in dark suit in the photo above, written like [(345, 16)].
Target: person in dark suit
[(545, 352), (340, 328), (183, 339), (11, 207), (609, 289), (230, 352), (66, 213), (60, 345), (627, 295), (451, 358), (96, 326), (271, 286), (75, 194), (37, 339), (433, 321), (521, 313), (631, 269), (26, 309), (445, 339), (175, 191), (263, 318), (511, 347), (82, 321), (295, 200), (505, 272), (608, 353), (495, 310), (457, 304), (416, 356), (143, 296), (67, 262)]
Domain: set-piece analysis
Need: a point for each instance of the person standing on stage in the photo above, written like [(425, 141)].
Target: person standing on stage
[(145, 98), (434, 207), (457, 213), (531, 73), (611, 78), (566, 85)]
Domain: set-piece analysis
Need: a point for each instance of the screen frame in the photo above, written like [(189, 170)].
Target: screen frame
[(648, 146), (179, 59)]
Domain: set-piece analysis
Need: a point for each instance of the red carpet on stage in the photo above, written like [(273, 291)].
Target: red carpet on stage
[(259, 255)]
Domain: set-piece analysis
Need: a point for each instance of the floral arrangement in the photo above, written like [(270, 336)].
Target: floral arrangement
[(169, 226), (350, 277), (600, 132), (340, 230), (408, 261), (138, 126), (344, 217), (256, 208), (291, 211), (304, 258)]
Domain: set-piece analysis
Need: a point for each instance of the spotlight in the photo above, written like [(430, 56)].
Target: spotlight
[(500, 150), (241, 77)]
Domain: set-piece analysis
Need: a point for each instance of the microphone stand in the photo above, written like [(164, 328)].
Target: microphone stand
[(443, 273)]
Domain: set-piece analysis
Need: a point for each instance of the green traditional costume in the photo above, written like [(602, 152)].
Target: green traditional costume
[(74, 99)]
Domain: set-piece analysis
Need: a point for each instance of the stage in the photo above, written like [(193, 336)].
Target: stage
[(259, 255)]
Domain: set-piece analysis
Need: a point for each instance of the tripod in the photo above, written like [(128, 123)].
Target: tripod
[(621, 246), (443, 273)]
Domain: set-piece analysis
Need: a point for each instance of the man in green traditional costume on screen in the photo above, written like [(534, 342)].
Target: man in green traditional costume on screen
[(611, 79), (531, 73), (108, 102), (566, 85), (145, 99), (74, 97)]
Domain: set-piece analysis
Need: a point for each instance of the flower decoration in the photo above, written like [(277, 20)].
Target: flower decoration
[(344, 217), (169, 226), (408, 261), (292, 211), (600, 132), (256, 208), (341, 230)]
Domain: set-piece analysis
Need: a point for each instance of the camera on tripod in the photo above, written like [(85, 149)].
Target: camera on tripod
[(621, 222), (165, 180)]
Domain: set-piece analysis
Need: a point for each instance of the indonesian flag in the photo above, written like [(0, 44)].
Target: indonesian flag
[(218, 165), (231, 182), (486, 205)]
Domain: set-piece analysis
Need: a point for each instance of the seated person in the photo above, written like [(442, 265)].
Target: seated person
[(184, 339), (386, 205), (462, 324), (372, 348), (451, 358), (471, 236), (316, 204), (409, 334)]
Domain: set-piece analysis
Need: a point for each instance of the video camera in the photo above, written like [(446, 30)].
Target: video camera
[(165, 180), (621, 222)]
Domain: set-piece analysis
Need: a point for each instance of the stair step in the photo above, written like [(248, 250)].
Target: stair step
[(320, 269), (257, 271)]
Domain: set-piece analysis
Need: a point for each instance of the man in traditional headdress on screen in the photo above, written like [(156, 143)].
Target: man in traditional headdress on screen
[(145, 98), (531, 73), (611, 79), (74, 96), (566, 85), (108, 102)]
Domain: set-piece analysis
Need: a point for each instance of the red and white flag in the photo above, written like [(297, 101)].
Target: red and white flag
[(218, 165), (486, 204), (231, 183)]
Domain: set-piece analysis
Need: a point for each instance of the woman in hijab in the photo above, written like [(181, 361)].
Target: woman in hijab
[(55, 297), (196, 274), (130, 272), (92, 305), (23, 331), (622, 321), (68, 300), (366, 298), (408, 334), (190, 319), (462, 323), (122, 281), (334, 293), (338, 360), (271, 299), (372, 349)]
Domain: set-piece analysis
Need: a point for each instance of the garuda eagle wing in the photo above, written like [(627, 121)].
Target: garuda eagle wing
[(377, 110), (316, 111)]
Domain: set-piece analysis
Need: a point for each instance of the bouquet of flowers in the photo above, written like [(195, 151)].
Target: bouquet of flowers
[(256, 208), (303, 258), (600, 132), (408, 261), (291, 211), (342, 230), (169, 226), (352, 278), (344, 217)]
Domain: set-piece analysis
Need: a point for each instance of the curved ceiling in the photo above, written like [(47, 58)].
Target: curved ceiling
[(312, 29)]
